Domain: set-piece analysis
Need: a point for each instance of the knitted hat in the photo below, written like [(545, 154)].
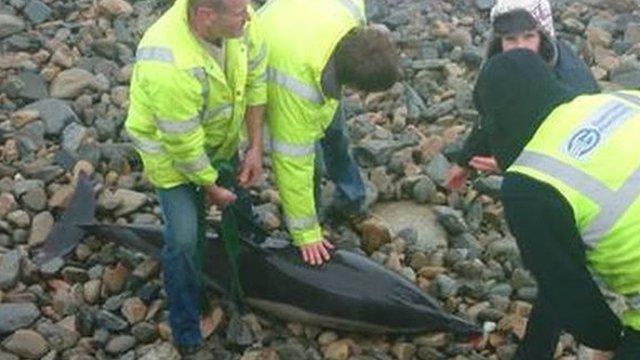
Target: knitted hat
[(514, 22), (539, 9)]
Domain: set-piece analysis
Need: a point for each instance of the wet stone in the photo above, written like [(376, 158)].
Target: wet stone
[(72, 136), (27, 344), (35, 199), (10, 24), (16, 316), (75, 275), (59, 337), (71, 83), (29, 85), (145, 332), (52, 266), (120, 344), (163, 351), (56, 114), (110, 322), (9, 269), (451, 219), (37, 11), (42, 224)]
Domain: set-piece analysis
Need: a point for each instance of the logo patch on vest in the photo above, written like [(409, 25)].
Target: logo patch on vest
[(595, 130)]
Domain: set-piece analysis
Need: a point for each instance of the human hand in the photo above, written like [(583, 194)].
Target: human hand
[(219, 196), (251, 169), (316, 253), (487, 164), (456, 178)]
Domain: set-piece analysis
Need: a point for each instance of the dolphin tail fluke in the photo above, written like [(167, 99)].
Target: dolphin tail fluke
[(461, 328), (65, 234), (146, 239)]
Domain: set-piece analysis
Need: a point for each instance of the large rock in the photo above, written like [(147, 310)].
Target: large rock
[(122, 201), (37, 11), (451, 219), (28, 85), (402, 215), (59, 337), (16, 316), (72, 137), (627, 75), (10, 24), (437, 169), (163, 351), (116, 7), (120, 344), (27, 344), (375, 233), (71, 83), (374, 152), (9, 269), (55, 114)]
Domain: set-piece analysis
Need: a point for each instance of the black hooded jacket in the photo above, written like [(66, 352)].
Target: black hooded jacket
[(567, 67), (515, 92)]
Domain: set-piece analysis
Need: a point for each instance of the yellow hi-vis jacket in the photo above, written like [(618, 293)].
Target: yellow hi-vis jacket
[(589, 151), (186, 111), (301, 35)]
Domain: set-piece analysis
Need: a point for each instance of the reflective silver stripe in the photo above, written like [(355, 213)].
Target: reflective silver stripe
[(178, 127), (613, 204), (154, 53), (195, 166), (354, 10), (613, 209), (303, 223), (211, 114), (633, 301), (571, 176), (147, 146), (628, 97), (201, 75), (294, 85), (295, 150), (258, 58), (260, 79)]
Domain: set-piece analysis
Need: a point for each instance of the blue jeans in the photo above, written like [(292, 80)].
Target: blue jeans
[(340, 167), (181, 206)]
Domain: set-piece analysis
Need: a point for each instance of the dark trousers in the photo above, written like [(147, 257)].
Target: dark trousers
[(552, 249), (334, 159), (182, 208)]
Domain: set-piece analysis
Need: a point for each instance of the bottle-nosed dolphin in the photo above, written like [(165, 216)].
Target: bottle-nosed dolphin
[(351, 292)]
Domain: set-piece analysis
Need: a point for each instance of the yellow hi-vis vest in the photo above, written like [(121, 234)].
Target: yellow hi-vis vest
[(186, 111), (589, 150), (301, 36)]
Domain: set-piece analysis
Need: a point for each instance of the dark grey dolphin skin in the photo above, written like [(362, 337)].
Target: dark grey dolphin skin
[(351, 292)]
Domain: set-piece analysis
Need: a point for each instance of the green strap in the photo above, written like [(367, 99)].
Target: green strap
[(231, 238), (229, 230)]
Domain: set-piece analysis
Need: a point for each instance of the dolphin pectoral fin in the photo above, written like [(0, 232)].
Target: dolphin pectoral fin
[(66, 234)]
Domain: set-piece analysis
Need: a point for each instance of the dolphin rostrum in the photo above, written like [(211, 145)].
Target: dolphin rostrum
[(351, 292)]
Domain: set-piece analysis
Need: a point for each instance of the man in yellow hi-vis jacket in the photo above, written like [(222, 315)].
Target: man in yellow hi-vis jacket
[(571, 194), (316, 47), (199, 78)]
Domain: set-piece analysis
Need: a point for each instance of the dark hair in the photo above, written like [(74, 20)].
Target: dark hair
[(515, 21), (367, 59), (518, 21), (217, 5), (548, 49)]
